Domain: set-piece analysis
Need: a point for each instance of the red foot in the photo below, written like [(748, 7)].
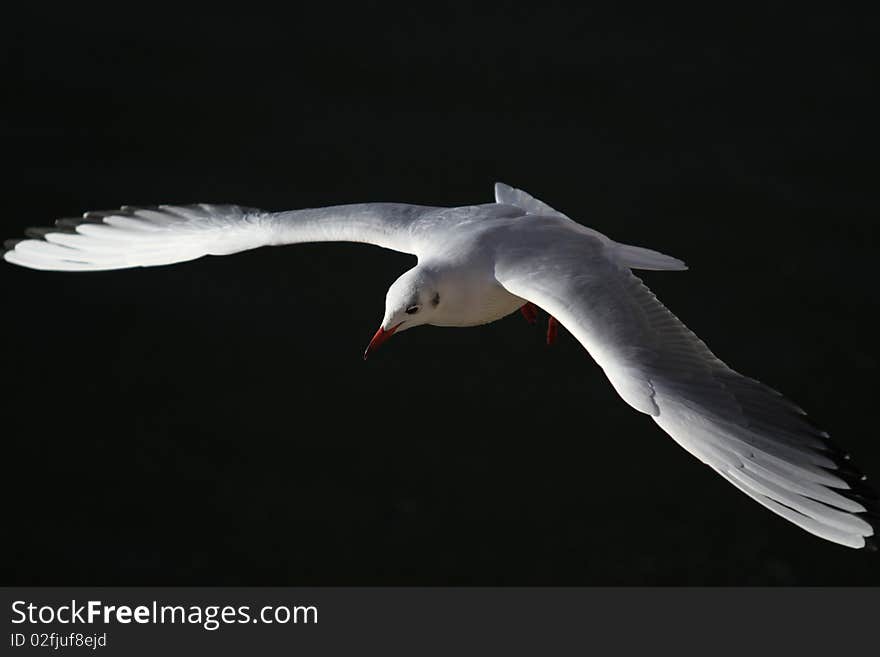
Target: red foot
[(552, 330), (530, 312)]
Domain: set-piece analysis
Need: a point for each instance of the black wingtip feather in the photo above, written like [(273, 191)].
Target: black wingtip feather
[(865, 501), (861, 488), (40, 232), (834, 452), (73, 222), (847, 471), (98, 215)]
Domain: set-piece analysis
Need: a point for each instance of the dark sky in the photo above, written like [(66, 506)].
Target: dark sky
[(213, 422)]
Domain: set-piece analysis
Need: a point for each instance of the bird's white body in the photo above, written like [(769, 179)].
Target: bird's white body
[(479, 263)]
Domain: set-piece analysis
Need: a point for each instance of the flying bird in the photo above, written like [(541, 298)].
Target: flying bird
[(479, 263)]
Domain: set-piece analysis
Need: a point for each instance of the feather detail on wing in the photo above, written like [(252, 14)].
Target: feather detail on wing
[(144, 237), (752, 436)]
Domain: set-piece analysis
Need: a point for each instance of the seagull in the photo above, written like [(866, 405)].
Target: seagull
[(479, 263)]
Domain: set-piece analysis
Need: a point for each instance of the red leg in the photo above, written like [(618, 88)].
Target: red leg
[(530, 312), (552, 329)]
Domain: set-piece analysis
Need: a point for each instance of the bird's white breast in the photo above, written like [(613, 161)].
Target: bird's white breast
[(478, 303)]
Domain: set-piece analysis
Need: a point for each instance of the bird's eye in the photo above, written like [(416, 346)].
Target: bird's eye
[(412, 310)]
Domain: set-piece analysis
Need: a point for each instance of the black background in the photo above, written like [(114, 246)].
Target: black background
[(213, 422)]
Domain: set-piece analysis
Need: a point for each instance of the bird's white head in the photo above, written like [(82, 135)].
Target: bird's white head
[(412, 300)]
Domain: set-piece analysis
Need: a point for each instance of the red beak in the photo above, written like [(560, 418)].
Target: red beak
[(381, 336)]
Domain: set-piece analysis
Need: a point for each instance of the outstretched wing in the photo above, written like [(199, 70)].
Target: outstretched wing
[(145, 237), (753, 437)]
